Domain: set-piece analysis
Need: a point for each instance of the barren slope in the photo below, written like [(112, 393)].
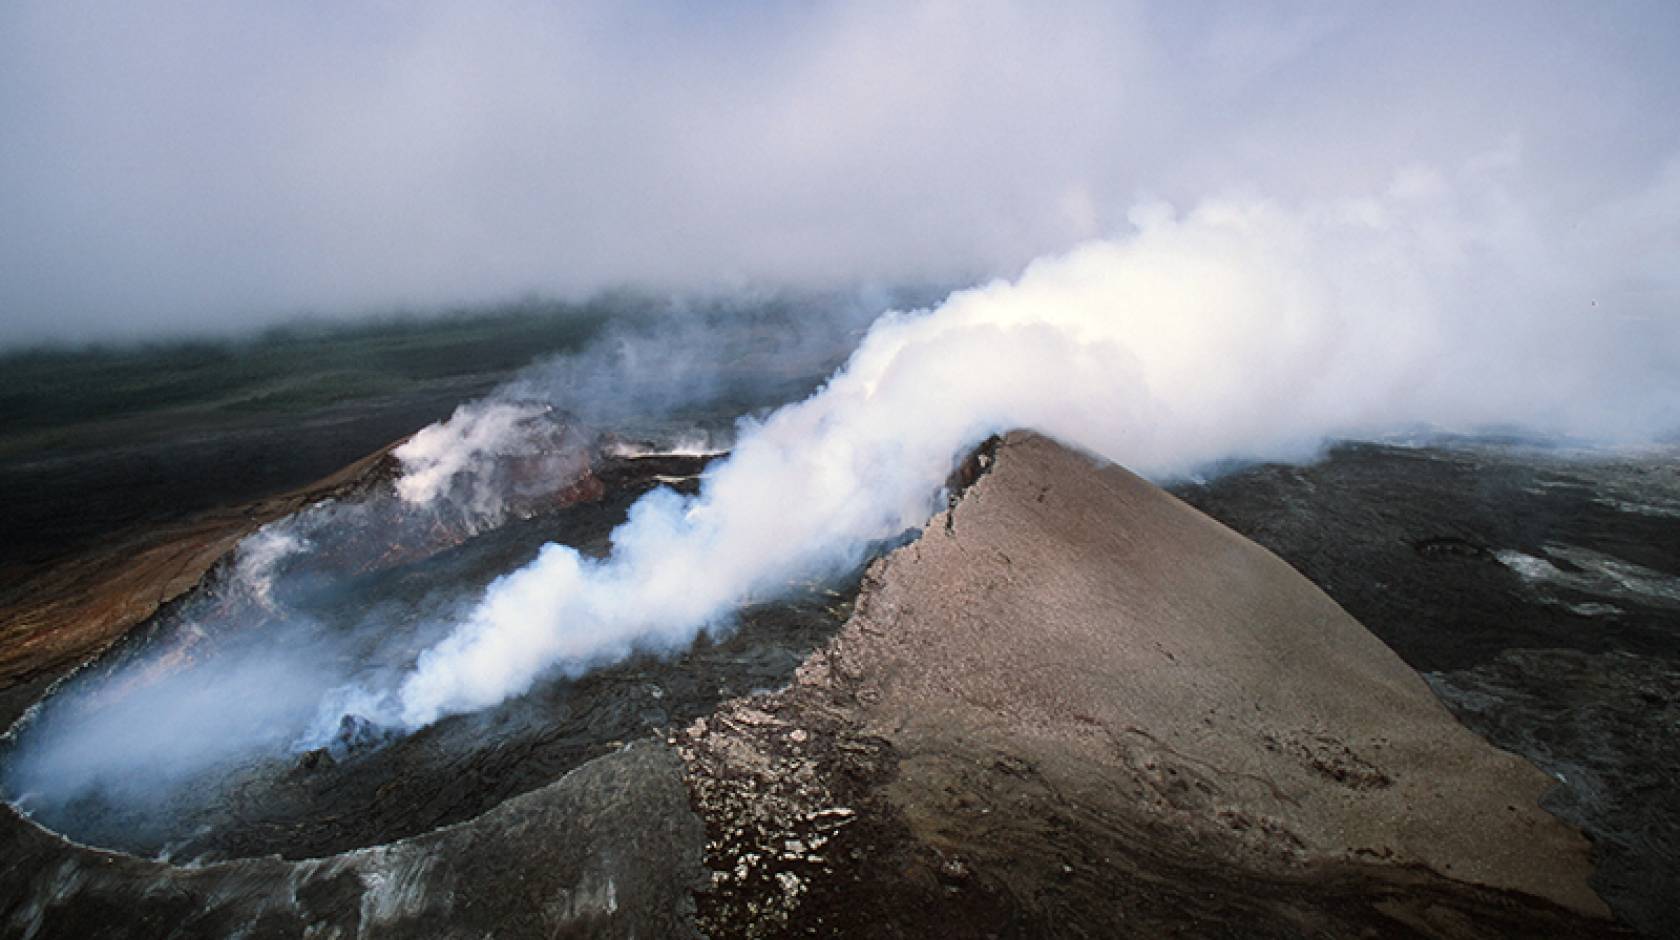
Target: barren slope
[(1077, 704)]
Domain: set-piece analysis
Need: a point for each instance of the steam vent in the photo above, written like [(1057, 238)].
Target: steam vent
[(1074, 706)]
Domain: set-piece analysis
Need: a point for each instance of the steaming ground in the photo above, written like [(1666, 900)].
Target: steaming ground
[(154, 771), (1241, 329), (240, 669), (264, 661), (1244, 329)]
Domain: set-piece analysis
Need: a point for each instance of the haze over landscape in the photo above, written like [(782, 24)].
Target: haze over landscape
[(170, 168), (629, 340)]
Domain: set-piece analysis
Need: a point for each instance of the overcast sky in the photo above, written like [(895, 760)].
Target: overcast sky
[(186, 167)]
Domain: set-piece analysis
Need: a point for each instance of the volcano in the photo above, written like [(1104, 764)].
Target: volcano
[(1073, 705)]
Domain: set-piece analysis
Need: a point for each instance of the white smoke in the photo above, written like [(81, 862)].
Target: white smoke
[(457, 457), (638, 378), (464, 153), (303, 605), (688, 444), (1244, 328), (259, 556)]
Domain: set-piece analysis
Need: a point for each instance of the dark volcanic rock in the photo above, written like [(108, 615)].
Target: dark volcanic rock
[(356, 733), (610, 849), (1605, 725), (1408, 539)]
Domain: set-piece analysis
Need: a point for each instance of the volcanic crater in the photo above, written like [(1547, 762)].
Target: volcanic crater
[(378, 564)]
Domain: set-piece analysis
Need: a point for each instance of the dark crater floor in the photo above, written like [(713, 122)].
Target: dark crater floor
[(1427, 545), (299, 804)]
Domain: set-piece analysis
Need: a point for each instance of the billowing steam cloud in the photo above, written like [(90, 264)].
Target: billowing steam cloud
[(179, 166), (306, 623), (1244, 328)]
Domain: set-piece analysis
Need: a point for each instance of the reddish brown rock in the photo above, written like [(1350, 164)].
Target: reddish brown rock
[(72, 610)]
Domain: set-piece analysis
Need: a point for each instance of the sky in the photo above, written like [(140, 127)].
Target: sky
[(175, 168)]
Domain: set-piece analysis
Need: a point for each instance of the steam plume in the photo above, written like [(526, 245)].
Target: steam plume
[(296, 632), (1244, 328)]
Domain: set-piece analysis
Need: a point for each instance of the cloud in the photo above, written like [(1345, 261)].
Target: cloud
[(176, 167), (1245, 327)]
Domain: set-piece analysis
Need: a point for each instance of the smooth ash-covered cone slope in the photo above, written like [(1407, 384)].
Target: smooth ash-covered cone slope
[(1091, 709)]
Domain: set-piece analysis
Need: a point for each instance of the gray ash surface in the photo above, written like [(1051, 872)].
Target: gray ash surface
[(1538, 592), (371, 787)]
